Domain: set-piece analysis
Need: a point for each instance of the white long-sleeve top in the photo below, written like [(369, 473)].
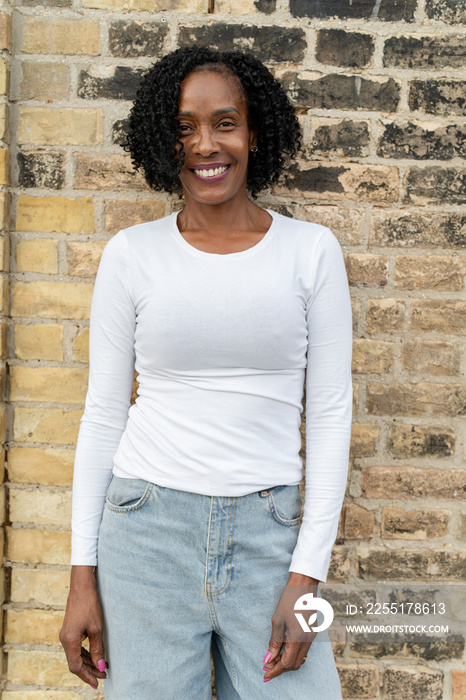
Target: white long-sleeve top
[(222, 344)]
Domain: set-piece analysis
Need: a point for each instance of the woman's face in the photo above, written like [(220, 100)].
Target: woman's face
[(212, 114)]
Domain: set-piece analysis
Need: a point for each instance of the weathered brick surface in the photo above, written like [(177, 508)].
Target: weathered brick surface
[(445, 316), (415, 140), (278, 43), (339, 138), (443, 97), (411, 564), (408, 440), (120, 214), (451, 11), (398, 523), (33, 626), (354, 9), (37, 256), (95, 172), (431, 357), (407, 229), (422, 398), (458, 678), (408, 482), (359, 680), (38, 546), (109, 82), (51, 299), (41, 169), (39, 342), (411, 683), (435, 185), (338, 91), (55, 214), (130, 39), (427, 52), (336, 47)]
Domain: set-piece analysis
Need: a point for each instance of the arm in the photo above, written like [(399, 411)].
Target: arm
[(111, 372), (329, 396)]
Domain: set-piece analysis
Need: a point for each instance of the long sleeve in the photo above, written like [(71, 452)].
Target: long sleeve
[(329, 396), (111, 373)]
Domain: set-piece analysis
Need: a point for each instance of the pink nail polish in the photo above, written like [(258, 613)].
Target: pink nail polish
[(267, 679), (94, 686), (265, 668), (267, 657), (101, 665)]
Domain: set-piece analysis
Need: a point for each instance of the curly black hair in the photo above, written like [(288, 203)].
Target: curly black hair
[(153, 128)]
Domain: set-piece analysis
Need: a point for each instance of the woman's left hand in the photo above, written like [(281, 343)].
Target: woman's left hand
[(287, 630)]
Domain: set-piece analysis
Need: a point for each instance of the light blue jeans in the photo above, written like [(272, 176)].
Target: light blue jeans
[(181, 574)]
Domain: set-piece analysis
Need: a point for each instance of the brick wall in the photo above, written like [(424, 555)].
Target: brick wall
[(379, 88)]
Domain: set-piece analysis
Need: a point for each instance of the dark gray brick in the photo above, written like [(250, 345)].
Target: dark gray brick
[(38, 169), (119, 130), (266, 6), (445, 97), (436, 185), (122, 85), (425, 52), (130, 39), (271, 44), (338, 91), (347, 138), (387, 10), (408, 140), (451, 11), (335, 47)]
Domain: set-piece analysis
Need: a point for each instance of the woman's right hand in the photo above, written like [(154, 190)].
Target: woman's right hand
[(84, 619)]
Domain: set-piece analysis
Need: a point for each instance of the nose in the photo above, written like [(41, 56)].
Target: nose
[(205, 143)]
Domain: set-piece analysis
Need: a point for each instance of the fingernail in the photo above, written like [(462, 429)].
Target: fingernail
[(265, 668), (94, 686), (267, 679), (101, 665), (267, 658)]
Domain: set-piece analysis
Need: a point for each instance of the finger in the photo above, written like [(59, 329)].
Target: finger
[(76, 662), (96, 648), (290, 660), (90, 665), (276, 639)]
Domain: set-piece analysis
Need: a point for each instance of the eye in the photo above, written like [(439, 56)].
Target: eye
[(226, 124), (183, 126)]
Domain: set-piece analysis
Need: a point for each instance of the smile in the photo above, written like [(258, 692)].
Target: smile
[(212, 172)]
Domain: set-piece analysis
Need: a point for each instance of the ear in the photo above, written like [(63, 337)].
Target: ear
[(253, 132)]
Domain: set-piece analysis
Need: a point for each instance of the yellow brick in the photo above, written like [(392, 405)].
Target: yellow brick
[(4, 295), (5, 32), (42, 695), (4, 166), (39, 586), (55, 214), (54, 384), (48, 425), (40, 668), (37, 256), (81, 346), (38, 546), (2, 586), (4, 77), (4, 253), (2, 504), (3, 341), (51, 299), (4, 122), (42, 341), (4, 210), (83, 258), (80, 36), (66, 126), (2, 424), (121, 213), (33, 465), (149, 5), (40, 506), (44, 80), (33, 626)]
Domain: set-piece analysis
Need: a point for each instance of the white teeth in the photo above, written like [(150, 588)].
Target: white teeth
[(211, 172)]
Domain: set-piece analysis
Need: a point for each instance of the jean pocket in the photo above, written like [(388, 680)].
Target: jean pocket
[(126, 495), (285, 504)]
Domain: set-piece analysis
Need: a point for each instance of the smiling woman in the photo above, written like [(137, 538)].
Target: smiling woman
[(187, 517)]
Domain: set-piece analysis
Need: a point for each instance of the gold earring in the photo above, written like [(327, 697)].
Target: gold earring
[(254, 150)]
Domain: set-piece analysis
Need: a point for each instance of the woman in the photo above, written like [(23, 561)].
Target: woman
[(189, 499)]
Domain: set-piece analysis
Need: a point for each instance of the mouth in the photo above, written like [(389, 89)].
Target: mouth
[(211, 174)]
